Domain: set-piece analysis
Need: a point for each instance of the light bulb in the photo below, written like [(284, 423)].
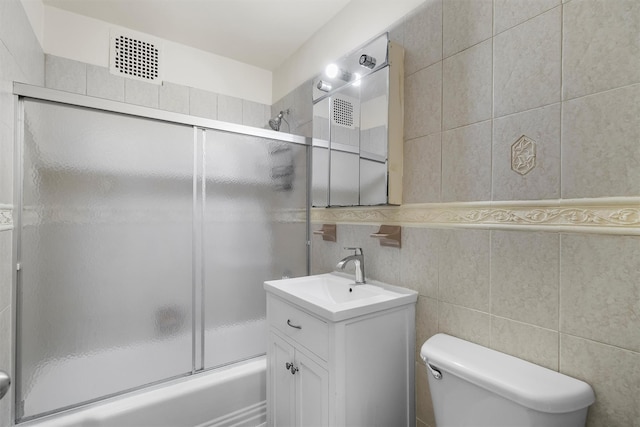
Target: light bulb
[(331, 71)]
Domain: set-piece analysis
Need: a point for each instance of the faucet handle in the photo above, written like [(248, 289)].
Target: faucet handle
[(355, 250)]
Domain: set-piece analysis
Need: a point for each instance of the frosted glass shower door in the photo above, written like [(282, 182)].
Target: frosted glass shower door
[(105, 289), (254, 230)]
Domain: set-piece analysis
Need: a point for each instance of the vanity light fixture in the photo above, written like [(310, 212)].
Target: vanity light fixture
[(357, 79), (367, 61), (333, 71), (323, 86)]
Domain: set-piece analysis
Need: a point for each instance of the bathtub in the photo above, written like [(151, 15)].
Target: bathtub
[(233, 396)]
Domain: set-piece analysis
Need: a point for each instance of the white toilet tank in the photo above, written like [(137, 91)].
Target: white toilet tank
[(474, 386)]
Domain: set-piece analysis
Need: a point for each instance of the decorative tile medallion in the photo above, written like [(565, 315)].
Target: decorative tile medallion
[(523, 155), (6, 217)]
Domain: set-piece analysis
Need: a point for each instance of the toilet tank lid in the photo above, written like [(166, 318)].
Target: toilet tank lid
[(515, 379)]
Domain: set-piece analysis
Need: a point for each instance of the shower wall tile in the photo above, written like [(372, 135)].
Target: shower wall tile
[(422, 164), (423, 102), (230, 109), (467, 86), (141, 93), (525, 276), (302, 111), (543, 181), (600, 153), (419, 260), (18, 37), (102, 84), (65, 74), (527, 64), (423, 37), (464, 268), (174, 98), (255, 114), (601, 47), (203, 103), (536, 345), (6, 166), (600, 288), (509, 13), (465, 23), (614, 374), (466, 163), (464, 323), (6, 273)]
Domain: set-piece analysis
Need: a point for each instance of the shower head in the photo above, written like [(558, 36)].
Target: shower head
[(277, 121)]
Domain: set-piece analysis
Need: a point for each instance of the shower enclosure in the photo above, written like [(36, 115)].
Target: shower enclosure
[(143, 240)]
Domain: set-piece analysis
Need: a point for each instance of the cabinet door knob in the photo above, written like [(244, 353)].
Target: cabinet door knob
[(290, 367), (292, 325)]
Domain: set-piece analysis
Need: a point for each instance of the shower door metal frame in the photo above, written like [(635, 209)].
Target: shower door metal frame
[(200, 126)]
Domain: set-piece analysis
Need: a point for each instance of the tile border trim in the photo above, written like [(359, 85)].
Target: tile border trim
[(6, 217), (620, 215)]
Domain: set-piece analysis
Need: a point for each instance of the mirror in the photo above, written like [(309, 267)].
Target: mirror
[(357, 128)]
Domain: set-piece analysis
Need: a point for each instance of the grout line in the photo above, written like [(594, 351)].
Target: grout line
[(527, 20)]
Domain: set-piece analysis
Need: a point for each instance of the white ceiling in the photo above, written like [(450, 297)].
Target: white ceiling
[(262, 33)]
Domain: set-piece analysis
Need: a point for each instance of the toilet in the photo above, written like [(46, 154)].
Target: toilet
[(474, 386)]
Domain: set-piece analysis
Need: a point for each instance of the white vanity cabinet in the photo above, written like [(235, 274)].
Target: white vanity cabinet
[(356, 371)]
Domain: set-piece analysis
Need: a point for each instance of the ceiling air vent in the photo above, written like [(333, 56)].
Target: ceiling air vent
[(135, 57)]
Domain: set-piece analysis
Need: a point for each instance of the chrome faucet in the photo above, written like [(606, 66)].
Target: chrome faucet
[(358, 261)]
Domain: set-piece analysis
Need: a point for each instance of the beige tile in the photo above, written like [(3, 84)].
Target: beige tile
[(509, 13), (424, 404), (527, 64), (423, 37), (419, 260), (423, 102), (527, 342), (525, 276), (325, 255), (422, 162), (255, 114), (174, 98), (600, 153), (102, 84), (203, 103), (6, 164), (541, 125), (230, 109), (614, 375), (467, 86), (601, 47), (6, 270), (600, 288), (65, 74), (464, 268), (141, 93), (466, 163), (426, 321), (464, 323), (465, 23)]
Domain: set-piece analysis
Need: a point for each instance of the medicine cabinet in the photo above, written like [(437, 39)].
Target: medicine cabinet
[(357, 128)]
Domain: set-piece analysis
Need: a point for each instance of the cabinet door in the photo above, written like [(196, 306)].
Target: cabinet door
[(312, 393), (281, 392)]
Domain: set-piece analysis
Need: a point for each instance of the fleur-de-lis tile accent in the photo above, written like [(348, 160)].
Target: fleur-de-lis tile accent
[(523, 155)]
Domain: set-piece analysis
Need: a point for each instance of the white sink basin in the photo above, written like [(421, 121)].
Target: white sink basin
[(336, 297)]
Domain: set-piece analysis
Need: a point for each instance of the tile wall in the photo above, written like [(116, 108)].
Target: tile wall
[(479, 75), (21, 59), (86, 79)]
